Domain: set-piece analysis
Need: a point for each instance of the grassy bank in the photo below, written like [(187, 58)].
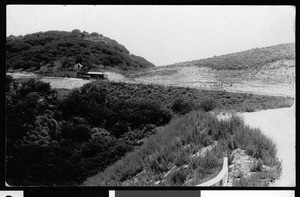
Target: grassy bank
[(174, 149)]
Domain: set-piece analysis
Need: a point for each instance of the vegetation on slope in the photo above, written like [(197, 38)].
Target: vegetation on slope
[(183, 99), (254, 58), (175, 145), (61, 142), (61, 50), (55, 139)]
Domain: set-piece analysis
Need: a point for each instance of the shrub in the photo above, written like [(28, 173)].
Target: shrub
[(178, 177), (207, 105), (119, 129), (249, 109), (181, 107), (258, 179), (135, 167), (209, 161), (158, 166), (181, 159), (165, 148), (78, 133), (256, 144), (31, 64), (97, 146)]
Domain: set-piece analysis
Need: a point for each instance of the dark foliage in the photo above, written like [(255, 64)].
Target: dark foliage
[(179, 142), (78, 133), (51, 141), (62, 142), (208, 105), (182, 100), (119, 115), (181, 107), (53, 48), (178, 177)]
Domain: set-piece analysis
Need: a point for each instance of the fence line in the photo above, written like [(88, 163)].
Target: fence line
[(221, 178)]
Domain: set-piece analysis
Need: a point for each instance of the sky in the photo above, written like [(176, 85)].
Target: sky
[(164, 34)]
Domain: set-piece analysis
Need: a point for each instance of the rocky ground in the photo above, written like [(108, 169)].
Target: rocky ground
[(244, 166)]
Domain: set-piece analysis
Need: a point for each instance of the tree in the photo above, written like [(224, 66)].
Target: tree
[(75, 32), (76, 132), (181, 107), (208, 105)]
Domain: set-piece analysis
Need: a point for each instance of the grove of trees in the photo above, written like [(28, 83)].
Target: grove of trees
[(33, 51)]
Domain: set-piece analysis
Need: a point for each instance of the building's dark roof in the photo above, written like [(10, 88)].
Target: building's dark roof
[(96, 73), (82, 72)]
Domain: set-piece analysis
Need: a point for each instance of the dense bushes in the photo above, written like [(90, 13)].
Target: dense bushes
[(78, 133), (208, 105), (116, 114), (181, 107), (45, 48), (175, 145), (24, 103), (61, 142), (178, 177), (182, 100), (61, 164)]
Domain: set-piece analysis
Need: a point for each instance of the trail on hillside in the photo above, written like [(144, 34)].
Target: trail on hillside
[(279, 125), (192, 77)]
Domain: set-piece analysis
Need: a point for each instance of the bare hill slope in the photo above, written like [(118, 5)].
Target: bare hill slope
[(269, 70)]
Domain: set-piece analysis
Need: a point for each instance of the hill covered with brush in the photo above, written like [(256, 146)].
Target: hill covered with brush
[(61, 138), (253, 58), (60, 51), (268, 71)]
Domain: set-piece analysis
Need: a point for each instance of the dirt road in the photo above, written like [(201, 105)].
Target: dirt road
[(278, 124)]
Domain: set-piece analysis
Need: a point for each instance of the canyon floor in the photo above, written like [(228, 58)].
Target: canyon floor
[(278, 124)]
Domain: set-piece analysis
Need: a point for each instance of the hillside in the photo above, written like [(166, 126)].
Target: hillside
[(189, 150), (62, 137), (53, 51), (140, 132), (268, 70), (253, 58)]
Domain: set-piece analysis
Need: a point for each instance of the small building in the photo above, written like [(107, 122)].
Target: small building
[(97, 75), (91, 75), (78, 66), (83, 75)]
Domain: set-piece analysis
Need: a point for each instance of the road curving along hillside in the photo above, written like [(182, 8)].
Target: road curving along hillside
[(279, 125)]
